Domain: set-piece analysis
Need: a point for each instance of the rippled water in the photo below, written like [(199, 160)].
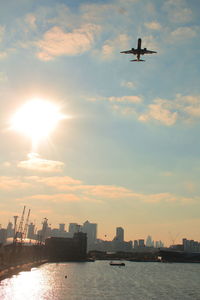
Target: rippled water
[(98, 280)]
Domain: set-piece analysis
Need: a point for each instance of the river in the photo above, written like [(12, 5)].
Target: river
[(98, 280)]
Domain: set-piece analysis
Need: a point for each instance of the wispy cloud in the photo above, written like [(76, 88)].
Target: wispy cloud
[(182, 33), (164, 111), (112, 47), (123, 99), (59, 182), (129, 84), (178, 11), (35, 163), (66, 189), (159, 112), (59, 198), (153, 25), (30, 19), (13, 183), (57, 42)]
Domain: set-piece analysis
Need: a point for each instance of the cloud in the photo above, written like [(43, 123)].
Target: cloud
[(153, 25), (111, 192), (60, 183), (65, 189), (165, 111), (128, 84), (123, 99), (59, 198), (13, 183), (124, 110), (183, 33), (54, 197), (36, 163), (57, 42), (168, 112), (159, 112), (150, 42), (30, 19), (113, 46), (177, 11)]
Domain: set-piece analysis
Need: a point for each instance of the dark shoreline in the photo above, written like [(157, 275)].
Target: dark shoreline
[(13, 270)]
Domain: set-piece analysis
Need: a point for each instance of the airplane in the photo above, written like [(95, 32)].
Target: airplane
[(139, 51)]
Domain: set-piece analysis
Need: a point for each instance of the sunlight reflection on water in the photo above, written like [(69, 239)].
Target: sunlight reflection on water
[(98, 280)]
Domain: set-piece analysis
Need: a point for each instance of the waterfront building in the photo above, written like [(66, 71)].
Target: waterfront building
[(3, 235), (55, 232), (141, 243), (67, 249), (135, 244), (91, 230), (190, 245), (61, 230)]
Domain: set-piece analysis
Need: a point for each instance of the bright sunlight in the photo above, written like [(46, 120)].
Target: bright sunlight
[(37, 119)]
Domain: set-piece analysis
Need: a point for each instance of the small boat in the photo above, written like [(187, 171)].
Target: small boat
[(117, 264)]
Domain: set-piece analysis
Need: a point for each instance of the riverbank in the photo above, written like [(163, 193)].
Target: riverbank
[(13, 270)]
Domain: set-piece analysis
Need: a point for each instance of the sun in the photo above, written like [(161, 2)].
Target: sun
[(37, 119)]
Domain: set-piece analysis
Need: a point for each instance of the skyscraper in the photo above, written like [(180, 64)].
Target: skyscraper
[(74, 228), (119, 234), (91, 230), (10, 230)]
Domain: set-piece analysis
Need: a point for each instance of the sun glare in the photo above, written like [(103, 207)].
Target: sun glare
[(37, 119)]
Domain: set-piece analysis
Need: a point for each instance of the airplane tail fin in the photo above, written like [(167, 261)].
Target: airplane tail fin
[(137, 60)]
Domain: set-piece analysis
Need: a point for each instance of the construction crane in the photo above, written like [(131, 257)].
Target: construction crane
[(26, 225), (19, 232), (15, 228)]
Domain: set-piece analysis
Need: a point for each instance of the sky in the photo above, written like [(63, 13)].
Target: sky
[(124, 147)]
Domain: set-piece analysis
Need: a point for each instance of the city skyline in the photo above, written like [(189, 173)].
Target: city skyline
[(88, 135), (29, 233)]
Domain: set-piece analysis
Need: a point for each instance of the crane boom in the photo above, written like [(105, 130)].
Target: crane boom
[(26, 224), (20, 228)]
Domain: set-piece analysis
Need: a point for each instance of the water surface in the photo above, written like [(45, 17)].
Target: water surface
[(98, 280)]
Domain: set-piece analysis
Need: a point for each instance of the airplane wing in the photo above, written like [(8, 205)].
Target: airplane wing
[(127, 52), (149, 51)]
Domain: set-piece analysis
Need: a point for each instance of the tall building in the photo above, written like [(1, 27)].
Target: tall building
[(141, 243), (91, 230), (61, 227), (136, 244), (74, 228), (10, 230), (119, 234), (61, 230), (149, 242)]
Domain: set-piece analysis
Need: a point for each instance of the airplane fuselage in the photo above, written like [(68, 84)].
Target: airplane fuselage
[(138, 51)]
